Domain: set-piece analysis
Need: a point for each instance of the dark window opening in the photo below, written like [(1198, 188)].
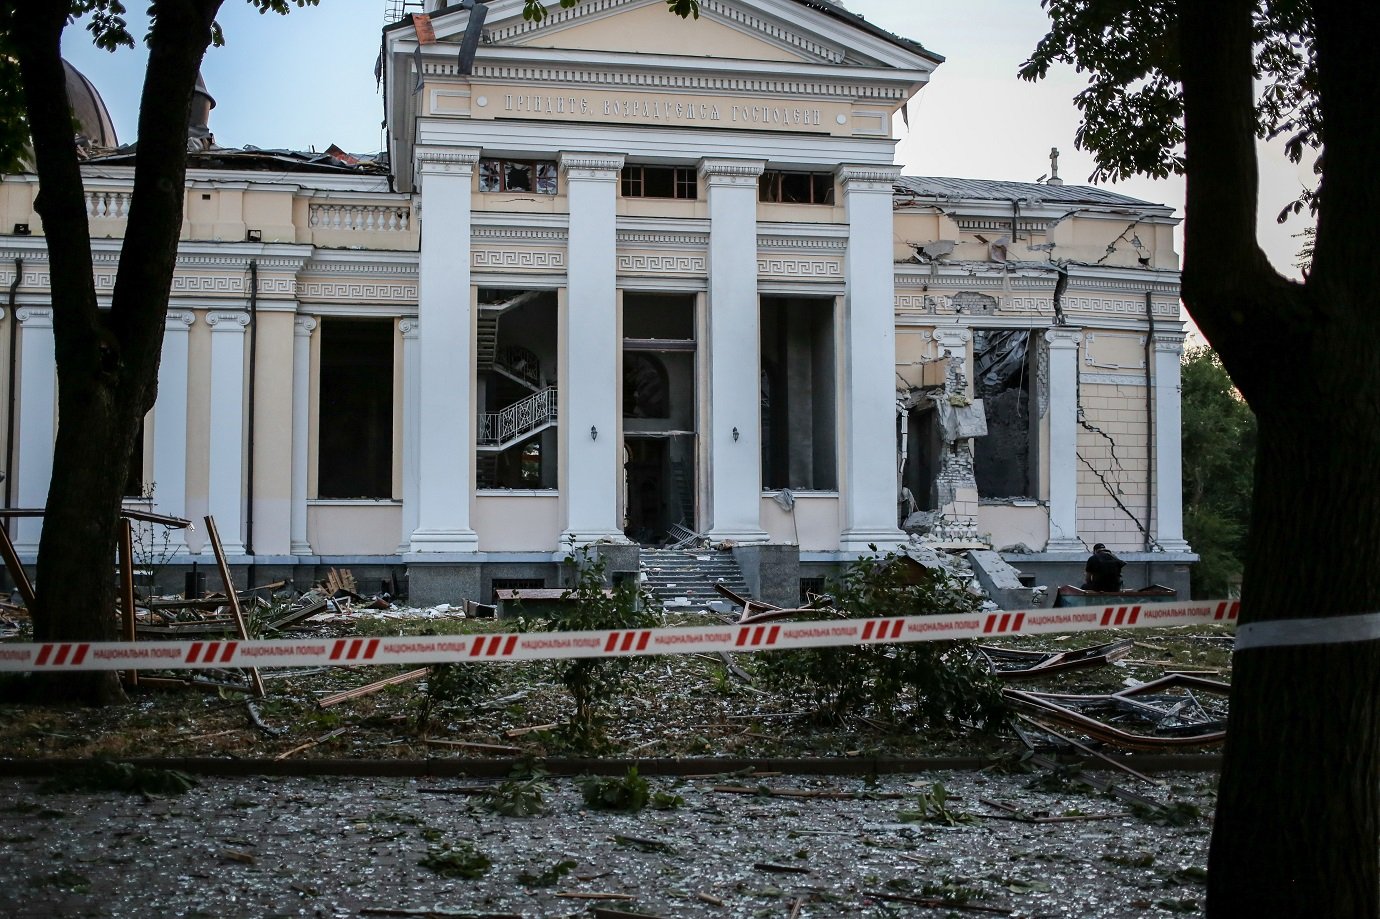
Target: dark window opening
[(796, 187), (810, 586), (1002, 371), (646, 387), (799, 430), (518, 175), (660, 182), (355, 444)]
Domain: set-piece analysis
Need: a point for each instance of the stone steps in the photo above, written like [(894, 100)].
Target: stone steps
[(672, 574)]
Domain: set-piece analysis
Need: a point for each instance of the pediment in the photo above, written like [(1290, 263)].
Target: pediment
[(784, 31)]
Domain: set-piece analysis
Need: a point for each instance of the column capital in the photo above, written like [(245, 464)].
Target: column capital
[(409, 327), (856, 178), (178, 320), (729, 172), (953, 338), (37, 316), (227, 322), (1063, 337), (594, 166), (1169, 342), (303, 326), (458, 161)]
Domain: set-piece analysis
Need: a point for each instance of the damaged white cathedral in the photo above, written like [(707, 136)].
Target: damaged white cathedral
[(627, 281)]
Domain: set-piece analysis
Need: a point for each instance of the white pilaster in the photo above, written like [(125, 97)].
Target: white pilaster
[(868, 425), (735, 352), (170, 426), (302, 328), (412, 388), (1169, 511), (445, 403), (1063, 440), (37, 407), (225, 492), (591, 398)]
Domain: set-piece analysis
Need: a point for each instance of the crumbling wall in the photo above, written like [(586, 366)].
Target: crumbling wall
[(1113, 464), (1002, 378)]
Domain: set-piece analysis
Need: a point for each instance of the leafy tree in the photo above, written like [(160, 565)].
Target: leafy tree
[(1218, 458), (1298, 815)]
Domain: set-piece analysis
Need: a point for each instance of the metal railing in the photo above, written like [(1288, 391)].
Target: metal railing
[(508, 425)]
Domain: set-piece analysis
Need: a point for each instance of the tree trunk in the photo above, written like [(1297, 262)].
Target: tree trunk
[(107, 362), (1298, 817)]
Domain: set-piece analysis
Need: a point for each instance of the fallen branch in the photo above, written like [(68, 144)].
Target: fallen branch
[(311, 743), (767, 792)]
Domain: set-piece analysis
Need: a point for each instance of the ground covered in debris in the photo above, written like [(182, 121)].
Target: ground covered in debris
[(941, 844), (672, 706)]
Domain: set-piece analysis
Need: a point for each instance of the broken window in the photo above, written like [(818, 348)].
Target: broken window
[(646, 387), (354, 457), (796, 187), (518, 175), (799, 438), (660, 182), (1003, 371)]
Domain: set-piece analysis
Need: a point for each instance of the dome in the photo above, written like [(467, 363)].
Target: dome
[(89, 110)]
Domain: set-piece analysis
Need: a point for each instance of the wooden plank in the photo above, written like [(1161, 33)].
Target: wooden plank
[(234, 599), (176, 523), (368, 688), (127, 589)]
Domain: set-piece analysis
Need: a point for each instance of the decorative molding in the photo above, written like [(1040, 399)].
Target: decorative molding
[(1063, 337), (1112, 379), (668, 240), (1088, 358), (178, 320), (868, 178), (227, 322), (39, 317), (1117, 307), (363, 266), (534, 260), (730, 172), (597, 167), (519, 234), (303, 326), (710, 83), (953, 339), (668, 264), (459, 162), (380, 291), (410, 328), (800, 268), (795, 243), (1169, 342)]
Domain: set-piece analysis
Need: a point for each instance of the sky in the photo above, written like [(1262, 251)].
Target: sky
[(306, 81)]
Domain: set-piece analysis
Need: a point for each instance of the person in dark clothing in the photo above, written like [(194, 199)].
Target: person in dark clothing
[(1103, 571)]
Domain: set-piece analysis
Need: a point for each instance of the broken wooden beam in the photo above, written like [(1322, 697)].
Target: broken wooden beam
[(368, 688)]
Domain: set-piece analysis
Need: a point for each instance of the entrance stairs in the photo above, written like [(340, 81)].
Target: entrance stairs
[(685, 579)]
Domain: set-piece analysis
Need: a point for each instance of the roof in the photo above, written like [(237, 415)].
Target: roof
[(252, 158), (996, 190)]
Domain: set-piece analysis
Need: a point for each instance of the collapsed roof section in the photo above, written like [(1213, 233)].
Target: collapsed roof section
[(333, 160)]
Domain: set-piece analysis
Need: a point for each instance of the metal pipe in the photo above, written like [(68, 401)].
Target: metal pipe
[(253, 354), (1149, 427), (9, 418)]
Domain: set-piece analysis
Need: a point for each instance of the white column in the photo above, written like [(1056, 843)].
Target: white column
[(225, 491), (302, 328), (1063, 440), (445, 404), (412, 387), (37, 407), (170, 426), (868, 362), (590, 404), (735, 352), (1169, 510)]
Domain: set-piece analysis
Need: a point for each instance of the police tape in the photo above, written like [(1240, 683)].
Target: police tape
[(528, 646)]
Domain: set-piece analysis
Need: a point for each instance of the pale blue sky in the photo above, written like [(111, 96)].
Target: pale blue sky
[(306, 81)]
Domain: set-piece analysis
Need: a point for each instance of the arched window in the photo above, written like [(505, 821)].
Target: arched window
[(646, 390)]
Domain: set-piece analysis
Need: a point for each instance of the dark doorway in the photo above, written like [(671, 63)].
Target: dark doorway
[(646, 476)]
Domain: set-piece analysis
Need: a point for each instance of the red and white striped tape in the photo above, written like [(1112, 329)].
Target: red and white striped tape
[(202, 655)]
